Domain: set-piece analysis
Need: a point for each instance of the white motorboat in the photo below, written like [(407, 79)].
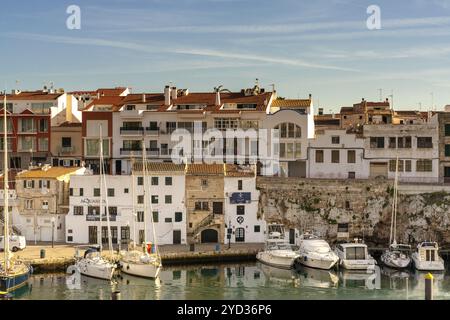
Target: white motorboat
[(141, 264), (397, 256), (316, 253), (427, 258), (278, 252), (92, 264), (355, 256)]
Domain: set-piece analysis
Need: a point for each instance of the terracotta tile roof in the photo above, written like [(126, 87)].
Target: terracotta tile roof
[(52, 172), (232, 170), (291, 103), (33, 95), (113, 101), (205, 169), (159, 167), (103, 91), (70, 124)]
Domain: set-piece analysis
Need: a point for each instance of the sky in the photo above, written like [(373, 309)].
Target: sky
[(320, 47)]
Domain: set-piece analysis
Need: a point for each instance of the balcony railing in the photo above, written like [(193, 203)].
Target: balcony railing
[(129, 151), (27, 131), (96, 217), (67, 149), (153, 152), (132, 131), (152, 131)]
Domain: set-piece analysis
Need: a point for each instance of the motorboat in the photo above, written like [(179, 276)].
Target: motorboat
[(277, 252), (315, 252), (397, 256), (427, 258), (355, 256), (92, 264)]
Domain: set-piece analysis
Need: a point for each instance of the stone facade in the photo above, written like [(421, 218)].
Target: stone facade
[(365, 205)]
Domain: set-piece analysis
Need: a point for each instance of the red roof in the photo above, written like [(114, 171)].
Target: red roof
[(33, 95)]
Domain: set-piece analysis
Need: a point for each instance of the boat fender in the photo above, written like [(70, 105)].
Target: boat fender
[(31, 270)]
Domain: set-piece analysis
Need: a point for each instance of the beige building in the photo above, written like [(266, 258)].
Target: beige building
[(66, 145), (444, 145), (43, 201), (205, 203)]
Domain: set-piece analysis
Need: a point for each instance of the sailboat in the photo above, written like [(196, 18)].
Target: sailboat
[(143, 263), (92, 264), (397, 255), (13, 272)]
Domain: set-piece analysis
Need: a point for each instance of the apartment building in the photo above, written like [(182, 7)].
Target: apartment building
[(13, 206), (416, 146), (43, 201), (66, 146), (336, 154), (365, 112), (444, 145), (124, 197)]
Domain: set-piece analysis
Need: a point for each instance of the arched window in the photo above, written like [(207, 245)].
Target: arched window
[(289, 130)]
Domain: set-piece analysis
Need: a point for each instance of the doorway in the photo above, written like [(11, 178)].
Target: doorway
[(93, 234), (209, 236), (176, 236), (240, 235)]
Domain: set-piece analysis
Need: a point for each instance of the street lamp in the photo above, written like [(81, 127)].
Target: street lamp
[(53, 231), (229, 231)]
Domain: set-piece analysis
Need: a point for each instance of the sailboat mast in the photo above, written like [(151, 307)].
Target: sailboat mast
[(145, 189), (395, 200), (103, 180), (100, 240), (5, 188), (133, 209)]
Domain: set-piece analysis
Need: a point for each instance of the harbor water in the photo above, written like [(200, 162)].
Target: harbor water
[(245, 281)]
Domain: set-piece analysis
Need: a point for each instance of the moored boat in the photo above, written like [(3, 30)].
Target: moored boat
[(316, 253), (427, 258), (355, 256)]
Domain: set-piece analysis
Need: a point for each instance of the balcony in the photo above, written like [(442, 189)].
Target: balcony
[(138, 131), (129, 151), (153, 152), (96, 217), (152, 131), (67, 149), (28, 131)]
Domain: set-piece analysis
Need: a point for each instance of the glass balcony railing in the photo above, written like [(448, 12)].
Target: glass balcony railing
[(132, 131)]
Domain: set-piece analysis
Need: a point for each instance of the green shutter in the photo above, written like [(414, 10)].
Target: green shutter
[(447, 150), (447, 129)]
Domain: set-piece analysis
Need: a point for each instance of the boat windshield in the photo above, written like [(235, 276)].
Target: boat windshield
[(355, 253), (279, 246)]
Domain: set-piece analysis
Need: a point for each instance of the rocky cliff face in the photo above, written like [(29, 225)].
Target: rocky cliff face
[(366, 205)]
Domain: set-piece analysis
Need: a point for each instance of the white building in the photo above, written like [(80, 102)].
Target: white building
[(241, 206), (125, 203), (336, 154), (416, 145)]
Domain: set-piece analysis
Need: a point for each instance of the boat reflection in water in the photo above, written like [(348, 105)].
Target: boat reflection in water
[(278, 276), (310, 277), (359, 278)]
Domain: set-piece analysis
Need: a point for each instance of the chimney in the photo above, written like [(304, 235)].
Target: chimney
[(217, 98), (98, 95), (320, 111), (143, 98), (167, 96), (174, 93), (310, 96)]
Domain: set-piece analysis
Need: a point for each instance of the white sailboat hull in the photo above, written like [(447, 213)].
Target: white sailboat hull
[(100, 269), (141, 269), (421, 265), (278, 258), (394, 261)]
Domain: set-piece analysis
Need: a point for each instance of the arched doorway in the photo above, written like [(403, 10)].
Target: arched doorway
[(209, 236)]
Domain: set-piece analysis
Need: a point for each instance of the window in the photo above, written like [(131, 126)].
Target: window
[(168, 181), (69, 238), (155, 181), (27, 144), (351, 175), (130, 107), (377, 142), (334, 156), (155, 199), (81, 192), (447, 129), (93, 147), (201, 206), (140, 199), (96, 192), (347, 204), (43, 125), (355, 253), (26, 125), (66, 142), (351, 156), (408, 142), (124, 233), (240, 210), (168, 199), (319, 156), (408, 165), (335, 139), (424, 142), (447, 150), (257, 229), (171, 127), (218, 207), (125, 190), (239, 184), (298, 149), (289, 150), (168, 220), (178, 216), (28, 184), (204, 183), (41, 107), (140, 216), (155, 215), (424, 165), (392, 143), (78, 210), (28, 204), (44, 204), (112, 211), (70, 191), (282, 150), (140, 181), (93, 210), (43, 144), (110, 192)]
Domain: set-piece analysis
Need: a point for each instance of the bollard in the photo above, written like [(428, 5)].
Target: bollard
[(429, 287), (42, 253), (115, 295)]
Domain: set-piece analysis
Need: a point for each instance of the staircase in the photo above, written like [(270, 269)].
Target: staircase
[(206, 221)]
